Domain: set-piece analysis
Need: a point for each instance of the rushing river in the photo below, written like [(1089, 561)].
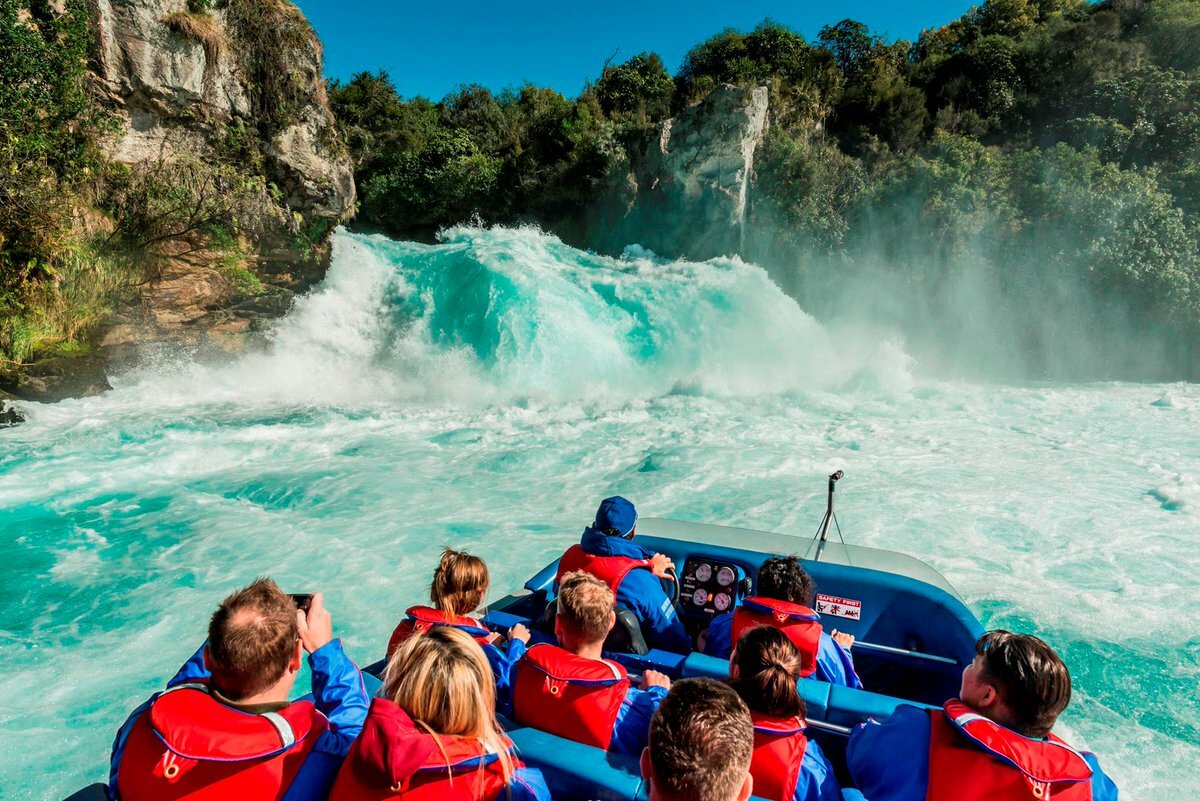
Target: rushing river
[(488, 391)]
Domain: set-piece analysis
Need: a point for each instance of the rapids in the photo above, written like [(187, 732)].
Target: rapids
[(487, 391)]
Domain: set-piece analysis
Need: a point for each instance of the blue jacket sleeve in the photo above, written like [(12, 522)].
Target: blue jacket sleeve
[(817, 781), (642, 593), (631, 729), (527, 784), (504, 667), (191, 670), (339, 693), (889, 761), (1103, 788), (835, 664), (718, 641)]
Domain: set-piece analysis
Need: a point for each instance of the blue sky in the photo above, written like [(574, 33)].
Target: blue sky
[(431, 47)]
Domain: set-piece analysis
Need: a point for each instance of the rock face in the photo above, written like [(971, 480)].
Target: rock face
[(687, 189), (178, 79), (237, 82)]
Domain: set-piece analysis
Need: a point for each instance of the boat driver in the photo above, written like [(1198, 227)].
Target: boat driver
[(992, 743), (608, 552)]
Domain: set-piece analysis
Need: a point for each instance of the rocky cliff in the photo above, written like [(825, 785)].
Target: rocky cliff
[(225, 177), (687, 188)]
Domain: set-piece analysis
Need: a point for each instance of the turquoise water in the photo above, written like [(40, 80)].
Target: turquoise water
[(486, 392)]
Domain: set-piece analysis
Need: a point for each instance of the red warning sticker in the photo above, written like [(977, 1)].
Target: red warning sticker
[(839, 607)]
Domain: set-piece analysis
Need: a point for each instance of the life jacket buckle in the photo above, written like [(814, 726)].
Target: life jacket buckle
[(555, 686), (172, 766), (781, 617)]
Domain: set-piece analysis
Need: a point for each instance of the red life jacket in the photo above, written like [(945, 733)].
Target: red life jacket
[(188, 745), (801, 625), (972, 758), (612, 570), (461, 770), (567, 695), (421, 618), (779, 745)]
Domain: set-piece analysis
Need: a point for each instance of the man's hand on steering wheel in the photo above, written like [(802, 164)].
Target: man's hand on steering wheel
[(660, 564)]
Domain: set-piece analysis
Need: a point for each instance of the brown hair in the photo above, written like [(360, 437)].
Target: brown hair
[(768, 665), (701, 740), (585, 605), (1031, 678), (442, 679), (460, 583), (251, 639)]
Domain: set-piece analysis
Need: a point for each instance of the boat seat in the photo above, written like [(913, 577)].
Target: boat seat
[(577, 771), (574, 770), (625, 638), (815, 693)]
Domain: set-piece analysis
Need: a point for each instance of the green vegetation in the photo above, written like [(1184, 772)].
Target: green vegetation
[(1051, 143), (78, 231), (52, 275)]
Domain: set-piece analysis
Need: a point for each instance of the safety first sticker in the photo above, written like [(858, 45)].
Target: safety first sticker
[(839, 607)]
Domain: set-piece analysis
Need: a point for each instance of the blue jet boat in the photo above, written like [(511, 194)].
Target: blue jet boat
[(914, 635)]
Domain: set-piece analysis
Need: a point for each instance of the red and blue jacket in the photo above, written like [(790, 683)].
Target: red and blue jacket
[(953, 753), (586, 700), (834, 663), (395, 759), (183, 742), (641, 592), (786, 765), (501, 660)]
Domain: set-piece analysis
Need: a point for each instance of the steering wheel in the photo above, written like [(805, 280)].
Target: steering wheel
[(673, 590)]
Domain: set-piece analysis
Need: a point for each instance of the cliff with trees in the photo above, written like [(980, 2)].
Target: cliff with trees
[(1028, 173), (169, 175)]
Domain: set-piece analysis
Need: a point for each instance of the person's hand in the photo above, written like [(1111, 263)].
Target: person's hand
[(652, 678), (842, 638), (494, 637), (316, 628), (660, 564), (519, 632)]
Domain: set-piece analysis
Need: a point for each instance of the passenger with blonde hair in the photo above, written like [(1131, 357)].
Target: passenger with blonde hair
[(786, 765), (570, 690), (432, 731), (460, 585)]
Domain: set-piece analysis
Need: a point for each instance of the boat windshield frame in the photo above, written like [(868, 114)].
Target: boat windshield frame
[(835, 553)]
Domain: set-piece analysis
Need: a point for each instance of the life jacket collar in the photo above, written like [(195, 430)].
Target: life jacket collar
[(1048, 761), (425, 617), (783, 611), (195, 726)]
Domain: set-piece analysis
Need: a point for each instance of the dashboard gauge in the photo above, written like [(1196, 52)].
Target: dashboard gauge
[(725, 577), (703, 572), (700, 597), (721, 602)]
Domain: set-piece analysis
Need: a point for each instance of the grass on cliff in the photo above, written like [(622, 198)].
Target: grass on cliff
[(200, 27)]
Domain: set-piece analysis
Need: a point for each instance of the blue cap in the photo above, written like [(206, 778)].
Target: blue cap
[(618, 513)]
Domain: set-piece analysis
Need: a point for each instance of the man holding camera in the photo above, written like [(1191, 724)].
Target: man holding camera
[(224, 729)]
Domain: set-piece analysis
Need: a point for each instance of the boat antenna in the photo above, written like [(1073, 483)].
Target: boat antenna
[(823, 530)]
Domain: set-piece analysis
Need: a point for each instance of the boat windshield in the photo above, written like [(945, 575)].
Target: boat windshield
[(769, 542)]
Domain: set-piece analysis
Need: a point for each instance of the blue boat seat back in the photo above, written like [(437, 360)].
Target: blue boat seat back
[(577, 771), (814, 693), (832, 703)]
